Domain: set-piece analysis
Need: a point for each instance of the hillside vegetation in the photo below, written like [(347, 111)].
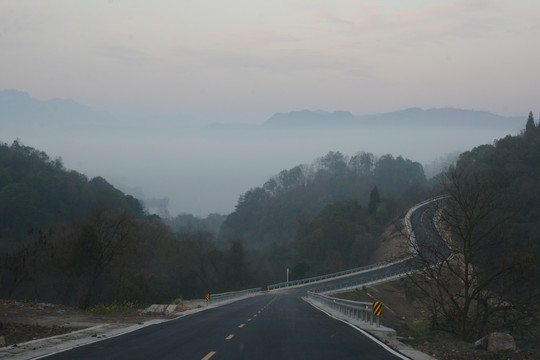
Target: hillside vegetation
[(491, 283), (36, 192), (511, 167), (67, 239), (272, 214)]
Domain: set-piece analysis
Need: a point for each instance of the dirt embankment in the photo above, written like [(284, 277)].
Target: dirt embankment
[(25, 321), (403, 312)]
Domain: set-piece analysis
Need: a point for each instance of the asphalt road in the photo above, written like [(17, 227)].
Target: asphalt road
[(277, 325), (274, 325), (430, 244), (432, 247)]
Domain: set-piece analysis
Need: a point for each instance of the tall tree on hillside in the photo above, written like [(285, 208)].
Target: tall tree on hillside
[(98, 243), (236, 270), (468, 286), (455, 288), (21, 265), (367, 161), (530, 127), (362, 163), (374, 200), (334, 162)]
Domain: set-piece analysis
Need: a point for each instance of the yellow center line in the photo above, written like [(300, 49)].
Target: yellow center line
[(209, 355), (229, 337), (241, 325), (249, 319)]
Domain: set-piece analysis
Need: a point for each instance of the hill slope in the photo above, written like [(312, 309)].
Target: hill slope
[(36, 192)]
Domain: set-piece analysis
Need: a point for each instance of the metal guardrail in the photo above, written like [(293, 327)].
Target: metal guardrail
[(408, 226), (323, 277), (397, 272), (408, 223), (214, 298), (358, 282), (356, 310)]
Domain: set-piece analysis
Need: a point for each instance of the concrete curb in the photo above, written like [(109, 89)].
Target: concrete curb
[(36, 349)]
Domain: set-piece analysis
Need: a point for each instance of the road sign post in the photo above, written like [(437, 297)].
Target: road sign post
[(377, 311)]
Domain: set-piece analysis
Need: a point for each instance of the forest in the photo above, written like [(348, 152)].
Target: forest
[(72, 240), (486, 277), (271, 214)]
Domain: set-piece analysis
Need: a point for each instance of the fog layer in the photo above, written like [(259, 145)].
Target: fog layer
[(204, 170)]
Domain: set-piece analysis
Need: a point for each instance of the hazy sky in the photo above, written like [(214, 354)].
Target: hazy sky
[(243, 60)]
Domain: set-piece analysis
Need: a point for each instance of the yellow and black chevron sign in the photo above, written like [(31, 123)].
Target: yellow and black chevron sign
[(377, 308), (207, 297)]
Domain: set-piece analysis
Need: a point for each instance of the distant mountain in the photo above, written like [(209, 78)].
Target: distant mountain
[(444, 117), (447, 117), (310, 118), (20, 111)]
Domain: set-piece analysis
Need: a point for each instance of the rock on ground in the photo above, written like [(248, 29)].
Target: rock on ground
[(500, 342)]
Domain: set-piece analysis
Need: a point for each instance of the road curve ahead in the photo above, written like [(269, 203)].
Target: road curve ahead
[(274, 325), (278, 325)]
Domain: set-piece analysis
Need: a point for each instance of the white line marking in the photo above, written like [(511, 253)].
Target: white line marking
[(371, 337)]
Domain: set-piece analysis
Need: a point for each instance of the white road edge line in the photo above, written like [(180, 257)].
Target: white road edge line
[(54, 349), (368, 335)]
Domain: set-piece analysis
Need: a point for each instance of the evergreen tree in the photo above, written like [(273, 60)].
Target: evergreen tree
[(374, 200), (529, 127)]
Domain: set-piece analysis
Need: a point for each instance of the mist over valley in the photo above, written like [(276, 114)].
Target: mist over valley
[(204, 169), (160, 157)]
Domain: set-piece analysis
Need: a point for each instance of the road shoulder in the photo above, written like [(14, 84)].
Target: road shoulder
[(385, 337)]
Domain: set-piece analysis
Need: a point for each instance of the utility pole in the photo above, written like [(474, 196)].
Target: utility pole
[(287, 276)]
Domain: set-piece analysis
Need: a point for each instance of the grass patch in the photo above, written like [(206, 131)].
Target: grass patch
[(114, 308), (420, 331), (178, 300)]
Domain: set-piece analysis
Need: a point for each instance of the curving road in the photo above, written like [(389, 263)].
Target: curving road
[(274, 325)]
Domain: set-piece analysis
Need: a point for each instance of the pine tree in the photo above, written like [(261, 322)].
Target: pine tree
[(529, 127), (374, 200)]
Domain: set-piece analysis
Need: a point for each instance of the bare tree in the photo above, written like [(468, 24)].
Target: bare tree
[(98, 243), (462, 277), (21, 266)]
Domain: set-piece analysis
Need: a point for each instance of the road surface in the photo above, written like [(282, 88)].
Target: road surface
[(274, 325)]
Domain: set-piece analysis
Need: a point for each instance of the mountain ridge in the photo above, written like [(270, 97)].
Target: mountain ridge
[(18, 109), (411, 116)]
